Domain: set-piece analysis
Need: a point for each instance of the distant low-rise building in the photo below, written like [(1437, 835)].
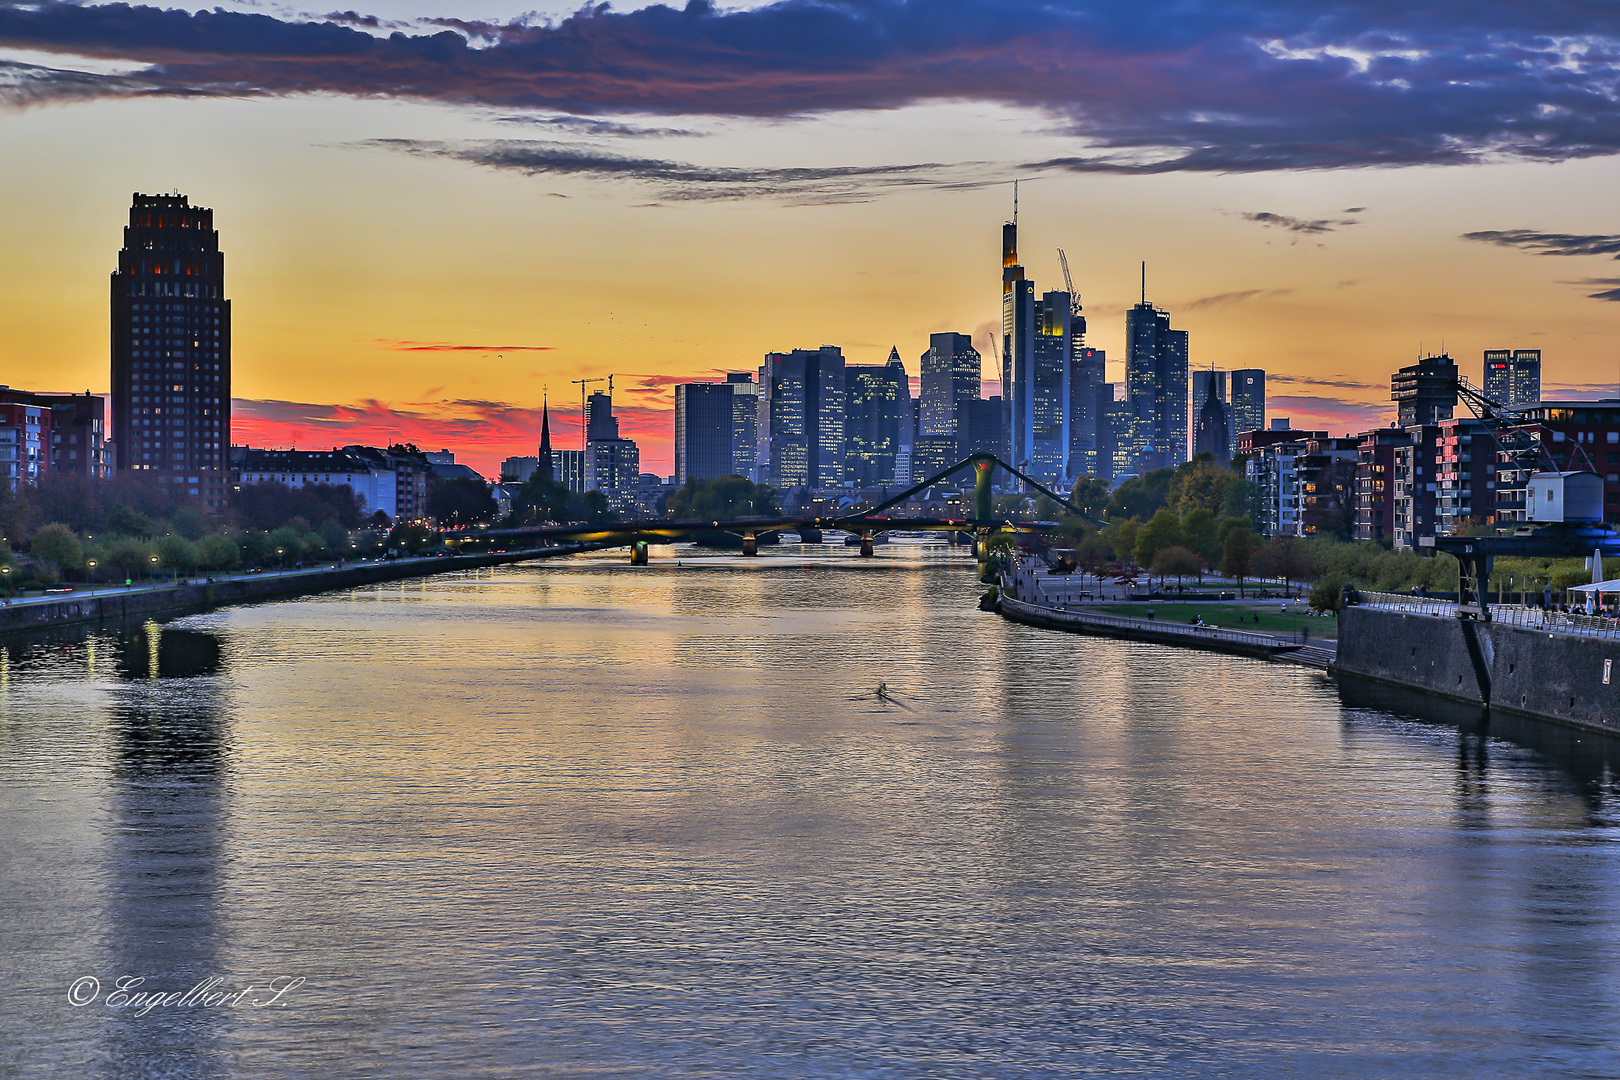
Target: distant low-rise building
[(392, 481)]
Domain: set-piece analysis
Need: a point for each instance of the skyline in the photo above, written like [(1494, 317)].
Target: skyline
[(384, 248)]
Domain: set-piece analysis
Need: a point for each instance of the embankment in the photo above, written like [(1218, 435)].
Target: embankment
[(1565, 678), (201, 594), (1100, 625)]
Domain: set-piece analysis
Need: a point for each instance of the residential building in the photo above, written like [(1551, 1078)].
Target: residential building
[(1425, 393), (1465, 475), (1156, 382), (171, 350), (51, 433), (1416, 486), (704, 428), (1375, 481), (1577, 436), (1513, 376), (1326, 474), (392, 481)]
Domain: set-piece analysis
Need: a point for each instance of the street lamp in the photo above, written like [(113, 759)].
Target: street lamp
[(92, 567), (279, 560), (154, 561), (5, 571)]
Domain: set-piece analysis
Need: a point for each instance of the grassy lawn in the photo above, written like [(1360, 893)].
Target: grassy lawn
[(1233, 616)]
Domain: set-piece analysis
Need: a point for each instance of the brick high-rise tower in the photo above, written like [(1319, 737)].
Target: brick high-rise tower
[(171, 350)]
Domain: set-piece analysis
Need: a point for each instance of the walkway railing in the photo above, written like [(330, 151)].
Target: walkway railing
[(1531, 618), (1164, 626)]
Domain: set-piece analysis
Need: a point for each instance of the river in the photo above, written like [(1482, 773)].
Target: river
[(582, 819)]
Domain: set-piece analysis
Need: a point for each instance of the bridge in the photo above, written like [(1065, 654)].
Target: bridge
[(639, 534)]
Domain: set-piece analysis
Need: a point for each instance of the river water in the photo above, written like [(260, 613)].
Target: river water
[(583, 819)]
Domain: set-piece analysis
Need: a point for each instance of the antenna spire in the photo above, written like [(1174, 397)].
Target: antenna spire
[(1144, 281), (1015, 202)]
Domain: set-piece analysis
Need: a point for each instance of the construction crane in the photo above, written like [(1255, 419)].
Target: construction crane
[(1520, 442), (582, 383), (1077, 321)]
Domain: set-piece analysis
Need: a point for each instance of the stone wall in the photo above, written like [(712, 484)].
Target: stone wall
[(1509, 668)]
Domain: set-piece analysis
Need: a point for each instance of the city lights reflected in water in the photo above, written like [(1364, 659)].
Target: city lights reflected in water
[(578, 817)]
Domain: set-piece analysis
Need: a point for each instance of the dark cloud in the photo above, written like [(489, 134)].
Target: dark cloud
[(447, 346), (1341, 384), (1229, 298), (584, 125), (1610, 288), (1300, 225), (1156, 86), (1544, 243), (681, 181)]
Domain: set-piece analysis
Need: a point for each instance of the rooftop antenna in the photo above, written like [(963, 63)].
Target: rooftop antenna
[(1144, 281), (1015, 202)]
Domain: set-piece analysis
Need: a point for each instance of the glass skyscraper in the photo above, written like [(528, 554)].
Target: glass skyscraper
[(171, 350), (1156, 383), (1513, 376)]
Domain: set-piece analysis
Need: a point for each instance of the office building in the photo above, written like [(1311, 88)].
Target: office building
[(802, 401), (744, 423), (950, 375), (1211, 433), (704, 429), (1425, 393), (872, 415), (171, 350), (1248, 402), (518, 469), (1037, 336), (1087, 370), (612, 465), (571, 470), (1513, 376), (1156, 383)]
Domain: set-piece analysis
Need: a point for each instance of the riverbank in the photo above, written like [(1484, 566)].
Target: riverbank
[(106, 604)]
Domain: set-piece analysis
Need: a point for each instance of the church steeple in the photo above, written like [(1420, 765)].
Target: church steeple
[(546, 468)]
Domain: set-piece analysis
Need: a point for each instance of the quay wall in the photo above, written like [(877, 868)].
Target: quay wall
[(1513, 669), (200, 594), (1082, 622)]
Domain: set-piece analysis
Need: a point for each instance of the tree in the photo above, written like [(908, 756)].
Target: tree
[(1091, 496), (539, 500), (1201, 533), (1237, 554), (56, 545), (722, 498), (464, 499), (1285, 557), (1162, 532), (1141, 496), (1202, 483), (1120, 536), (176, 552), (189, 523), (1176, 560), (217, 552)]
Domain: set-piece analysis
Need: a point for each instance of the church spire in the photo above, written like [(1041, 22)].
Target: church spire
[(545, 441)]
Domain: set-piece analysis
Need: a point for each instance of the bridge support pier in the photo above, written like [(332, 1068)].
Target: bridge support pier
[(866, 542), (638, 553), (750, 544)]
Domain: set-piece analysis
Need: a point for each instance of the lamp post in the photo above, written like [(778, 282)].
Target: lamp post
[(5, 571), (91, 566), (279, 560), (154, 562)]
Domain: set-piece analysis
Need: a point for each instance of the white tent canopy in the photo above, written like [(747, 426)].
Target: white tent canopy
[(1598, 587)]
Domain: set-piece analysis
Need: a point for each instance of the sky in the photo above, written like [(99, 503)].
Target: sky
[(436, 217)]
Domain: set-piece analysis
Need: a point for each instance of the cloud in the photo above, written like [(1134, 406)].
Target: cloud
[(1342, 384), (679, 181), (1611, 292), (1300, 225), (445, 346), (1229, 298), (1544, 243), (584, 125), (1156, 86)]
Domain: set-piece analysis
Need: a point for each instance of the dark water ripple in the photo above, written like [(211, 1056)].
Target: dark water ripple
[(583, 819)]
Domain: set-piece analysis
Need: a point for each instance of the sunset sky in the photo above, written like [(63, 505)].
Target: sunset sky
[(432, 216)]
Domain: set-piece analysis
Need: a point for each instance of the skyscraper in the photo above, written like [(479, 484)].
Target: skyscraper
[(872, 423), (1210, 430), (1087, 370), (744, 423), (1248, 402), (703, 431), (1037, 337), (171, 350), (612, 465), (1513, 376), (950, 375), (802, 402), (1201, 383), (1156, 382)]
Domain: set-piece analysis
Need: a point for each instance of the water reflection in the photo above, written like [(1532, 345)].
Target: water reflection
[(169, 806)]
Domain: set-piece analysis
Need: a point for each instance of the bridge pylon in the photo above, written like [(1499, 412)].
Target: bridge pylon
[(638, 553)]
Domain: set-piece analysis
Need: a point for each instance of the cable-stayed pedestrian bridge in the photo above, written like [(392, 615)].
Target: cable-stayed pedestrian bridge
[(867, 523)]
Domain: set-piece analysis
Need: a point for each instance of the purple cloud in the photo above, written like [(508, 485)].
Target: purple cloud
[(1154, 86)]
